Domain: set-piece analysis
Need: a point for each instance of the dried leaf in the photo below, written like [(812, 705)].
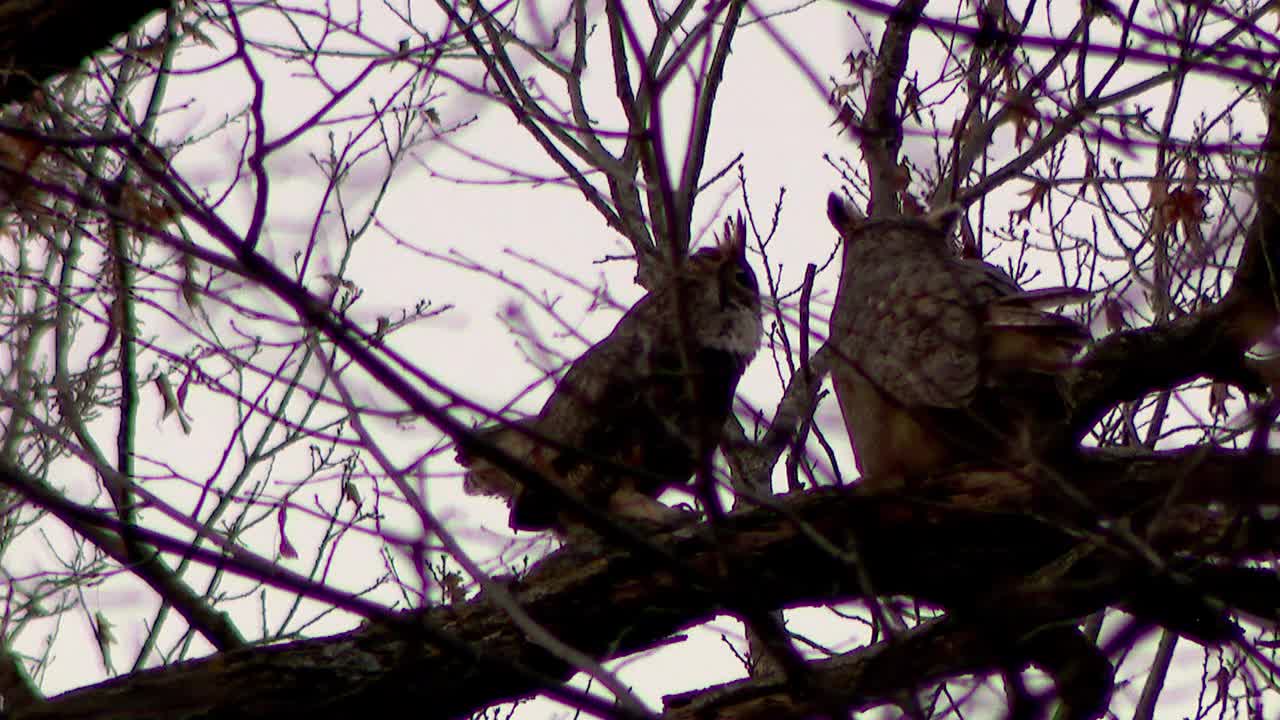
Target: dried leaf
[(1036, 195), (857, 63), (287, 550), (351, 492), (19, 154), (969, 243), (1113, 314), (171, 404), (192, 30), (166, 395), (451, 586), (146, 208), (114, 315), (911, 101), (1025, 118), (152, 51), (1090, 174), (18, 158), (336, 281), (1219, 394), (1188, 205), (902, 177), (847, 117), (102, 630), (183, 386), (1159, 204), (190, 284)]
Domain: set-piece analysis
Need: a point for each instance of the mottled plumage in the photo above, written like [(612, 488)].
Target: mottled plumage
[(944, 359), (651, 396)]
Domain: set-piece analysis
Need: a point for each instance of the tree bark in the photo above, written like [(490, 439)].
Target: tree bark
[(980, 546), (41, 38)]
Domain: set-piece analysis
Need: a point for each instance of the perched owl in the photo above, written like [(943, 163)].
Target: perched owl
[(942, 360), (651, 396)]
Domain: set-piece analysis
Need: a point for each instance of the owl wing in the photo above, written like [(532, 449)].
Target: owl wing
[(612, 409), (913, 329), (633, 412), (635, 400), (942, 358), (1021, 332)]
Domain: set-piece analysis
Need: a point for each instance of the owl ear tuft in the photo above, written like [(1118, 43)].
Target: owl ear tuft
[(844, 217), (733, 239)]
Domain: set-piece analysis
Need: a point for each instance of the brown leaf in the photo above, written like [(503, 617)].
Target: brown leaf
[(451, 586), (171, 404), (902, 177), (846, 117), (191, 30), (190, 285), (857, 63), (287, 550), (1036, 195), (166, 395), (911, 101), (136, 205), (351, 492), (183, 386), (1090, 174), (1159, 204), (336, 281), (1025, 119), (19, 154), (1113, 314), (152, 51), (1187, 205), (1219, 394), (114, 315), (102, 629)]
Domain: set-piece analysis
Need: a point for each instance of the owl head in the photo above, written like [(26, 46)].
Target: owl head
[(728, 307), (727, 262)]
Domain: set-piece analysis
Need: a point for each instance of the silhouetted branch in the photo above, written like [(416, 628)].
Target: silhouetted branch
[(596, 600)]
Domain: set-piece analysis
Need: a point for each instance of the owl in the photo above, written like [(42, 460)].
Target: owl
[(942, 360), (642, 409)]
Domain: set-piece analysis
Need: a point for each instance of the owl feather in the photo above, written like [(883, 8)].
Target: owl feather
[(632, 414)]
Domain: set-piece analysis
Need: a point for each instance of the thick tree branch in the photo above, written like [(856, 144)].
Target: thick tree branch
[(932, 652), (1212, 342), (41, 38), (598, 601), (880, 133)]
